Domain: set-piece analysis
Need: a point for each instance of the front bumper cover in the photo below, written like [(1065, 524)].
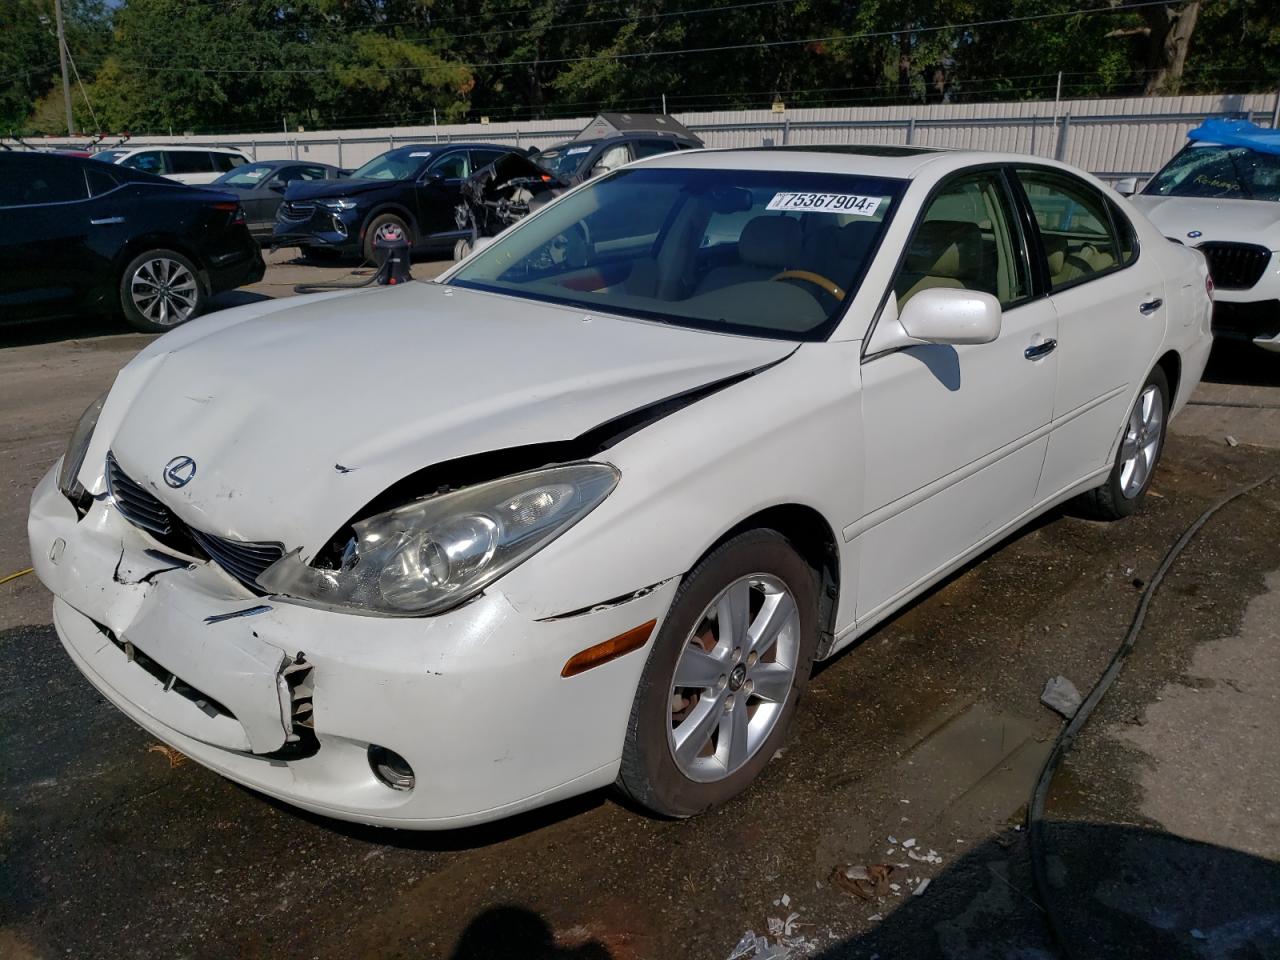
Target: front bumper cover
[(473, 698)]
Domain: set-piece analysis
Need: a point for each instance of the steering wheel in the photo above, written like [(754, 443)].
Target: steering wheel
[(818, 280)]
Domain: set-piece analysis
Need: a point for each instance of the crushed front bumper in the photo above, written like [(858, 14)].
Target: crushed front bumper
[(472, 699)]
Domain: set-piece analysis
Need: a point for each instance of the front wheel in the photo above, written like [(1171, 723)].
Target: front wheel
[(160, 290), (723, 678), (1141, 444)]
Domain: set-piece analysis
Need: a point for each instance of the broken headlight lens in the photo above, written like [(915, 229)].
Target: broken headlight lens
[(432, 554), (73, 459)]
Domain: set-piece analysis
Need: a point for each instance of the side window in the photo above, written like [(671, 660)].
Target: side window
[(452, 165), (482, 158), (309, 173), (42, 181), (100, 180), (150, 161), (613, 158), (1128, 236), (651, 148), (190, 161), (1075, 227), (967, 240), (222, 162)]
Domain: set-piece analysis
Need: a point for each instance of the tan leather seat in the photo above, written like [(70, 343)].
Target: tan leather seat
[(943, 253), (767, 245)]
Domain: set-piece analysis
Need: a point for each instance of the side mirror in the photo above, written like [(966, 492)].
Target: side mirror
[(938, 315), (1126, 187)]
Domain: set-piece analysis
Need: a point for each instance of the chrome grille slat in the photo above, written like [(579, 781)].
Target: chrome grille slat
[(243, 560)]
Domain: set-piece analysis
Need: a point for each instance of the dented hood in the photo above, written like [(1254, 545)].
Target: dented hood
[(298, 417)]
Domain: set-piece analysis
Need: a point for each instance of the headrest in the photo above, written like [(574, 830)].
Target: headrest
[(855, 237), (1055, 249), (946, 248), (770, 241)]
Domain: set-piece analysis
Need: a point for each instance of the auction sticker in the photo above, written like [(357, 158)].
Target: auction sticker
[(825, 203)]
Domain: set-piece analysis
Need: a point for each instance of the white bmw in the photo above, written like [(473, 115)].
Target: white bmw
[(586, 511)]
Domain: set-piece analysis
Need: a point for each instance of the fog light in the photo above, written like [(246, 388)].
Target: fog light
[(391, 768)]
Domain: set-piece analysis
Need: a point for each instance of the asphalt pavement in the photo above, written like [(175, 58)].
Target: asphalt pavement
[(916, 750)]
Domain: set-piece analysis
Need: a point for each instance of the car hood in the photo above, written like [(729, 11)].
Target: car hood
[(1241, 221), (299, 418), (316, 189)]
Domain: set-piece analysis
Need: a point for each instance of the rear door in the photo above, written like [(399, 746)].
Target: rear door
[(191, 166), (955, 435), (1111, 316)]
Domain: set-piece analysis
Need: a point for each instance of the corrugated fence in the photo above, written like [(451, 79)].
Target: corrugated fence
[(1112, 138)]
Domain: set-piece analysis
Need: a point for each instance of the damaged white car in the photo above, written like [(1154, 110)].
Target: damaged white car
[(586, 510)]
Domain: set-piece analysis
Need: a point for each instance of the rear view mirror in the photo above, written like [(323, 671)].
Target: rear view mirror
[(1126, 187), (937, 315)]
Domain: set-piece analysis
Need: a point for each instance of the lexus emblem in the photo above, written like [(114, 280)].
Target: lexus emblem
[(179, 471), (1194, 234)]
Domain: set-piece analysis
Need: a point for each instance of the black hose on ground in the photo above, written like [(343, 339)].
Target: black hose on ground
[(323, 286), (1035, 811)]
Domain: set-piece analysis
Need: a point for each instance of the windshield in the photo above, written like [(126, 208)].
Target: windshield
[(402, 164), (563, 161), (765, 253), (1226, 173), (109, 156), (246, 176)]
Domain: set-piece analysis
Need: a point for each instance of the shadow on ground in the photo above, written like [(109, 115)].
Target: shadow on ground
[(1242, 363)]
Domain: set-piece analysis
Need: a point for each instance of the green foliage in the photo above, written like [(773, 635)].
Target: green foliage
[(243, 65)]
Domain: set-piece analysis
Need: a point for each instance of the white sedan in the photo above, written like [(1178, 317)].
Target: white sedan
[(586, 510)]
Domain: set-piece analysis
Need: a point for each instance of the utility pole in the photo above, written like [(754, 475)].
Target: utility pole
[(62, 55)]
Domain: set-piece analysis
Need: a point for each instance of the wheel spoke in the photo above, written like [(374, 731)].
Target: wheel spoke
[(697, 668), (731, 748), (695, 730), (771, 681), (732, 611), (776, 614)]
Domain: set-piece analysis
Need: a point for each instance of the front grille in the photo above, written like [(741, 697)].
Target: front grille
[(137, 505), (244, 561), (295, 210), (1235, 266)]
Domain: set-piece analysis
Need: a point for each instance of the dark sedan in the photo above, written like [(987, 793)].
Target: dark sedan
[(78, 236), (261, 186), (411, 189)]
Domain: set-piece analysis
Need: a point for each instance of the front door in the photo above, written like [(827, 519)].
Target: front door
[(438, 193), (1111, 317), (955, 435)]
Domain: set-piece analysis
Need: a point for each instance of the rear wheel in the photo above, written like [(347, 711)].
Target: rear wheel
[(723, 678), (1141, 444), (387, 226), (159, 290)]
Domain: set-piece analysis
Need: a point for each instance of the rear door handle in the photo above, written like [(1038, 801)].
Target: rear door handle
[(106, 221), (1038, 350), (1151, 306)]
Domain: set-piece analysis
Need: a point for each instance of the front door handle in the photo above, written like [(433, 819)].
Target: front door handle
[(106, 221), (1038, 350), (1151, 306)]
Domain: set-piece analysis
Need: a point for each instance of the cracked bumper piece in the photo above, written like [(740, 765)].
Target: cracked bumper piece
[(473, 699)]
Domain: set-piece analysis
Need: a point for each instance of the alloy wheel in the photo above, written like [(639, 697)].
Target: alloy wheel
[(1141, 443), (733, 677), (164, 291)]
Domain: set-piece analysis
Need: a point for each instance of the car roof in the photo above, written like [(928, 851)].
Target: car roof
[(903, 163), (176, 147)]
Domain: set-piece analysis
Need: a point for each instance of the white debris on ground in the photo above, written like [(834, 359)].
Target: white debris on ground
[(788, 942), (1060, 694)]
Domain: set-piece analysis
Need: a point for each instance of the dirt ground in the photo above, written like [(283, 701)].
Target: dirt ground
[(1163, 838)]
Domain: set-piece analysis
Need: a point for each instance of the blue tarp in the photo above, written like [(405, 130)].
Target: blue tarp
[(1238, 133)]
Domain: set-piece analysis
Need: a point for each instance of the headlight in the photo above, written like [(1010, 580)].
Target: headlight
[(73, 459), (432, 554), (342, 204)]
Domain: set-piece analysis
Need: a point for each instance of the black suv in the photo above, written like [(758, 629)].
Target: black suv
[(580, 160), (78, 236), (413, 189)]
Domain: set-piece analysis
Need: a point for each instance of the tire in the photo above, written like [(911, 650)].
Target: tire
[(1123, 492), (461, 249), (650, 774), (378, 223), (160, 290)]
